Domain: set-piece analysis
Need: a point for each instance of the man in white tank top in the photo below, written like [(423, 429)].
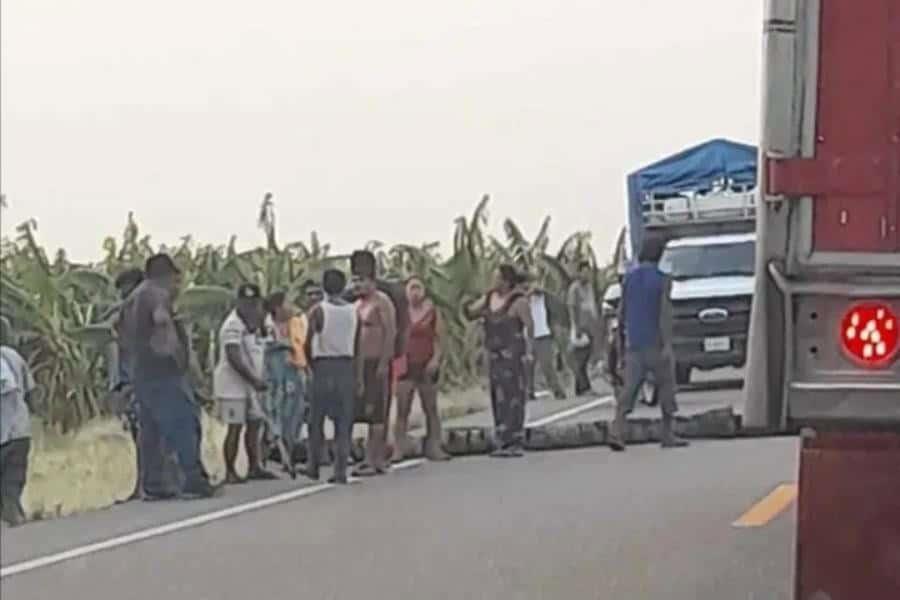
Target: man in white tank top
[(332, 343)]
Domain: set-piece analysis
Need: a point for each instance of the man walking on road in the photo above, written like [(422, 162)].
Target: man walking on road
[(645, 316), (544, 356), (583, 315), (168, 414), (332, 342)]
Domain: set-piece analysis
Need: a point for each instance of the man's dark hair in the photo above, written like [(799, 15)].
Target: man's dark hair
[(510, 274), (334, 282), (363, 264), (652, 249), (129, 278), (274, 301), (160, 265), (309, 283)]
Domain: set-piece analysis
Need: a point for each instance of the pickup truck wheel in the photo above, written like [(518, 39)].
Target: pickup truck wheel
[(682, 374)]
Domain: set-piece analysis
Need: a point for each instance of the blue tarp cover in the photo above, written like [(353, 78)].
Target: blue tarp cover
[(693, 169)]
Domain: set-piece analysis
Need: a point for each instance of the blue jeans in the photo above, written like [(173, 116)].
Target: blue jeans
[(170, 425)]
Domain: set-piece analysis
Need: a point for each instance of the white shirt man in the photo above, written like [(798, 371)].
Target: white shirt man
[(239, 382), (544, 353), (239, 400)]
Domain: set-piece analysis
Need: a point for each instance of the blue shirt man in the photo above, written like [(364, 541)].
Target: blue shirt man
[(646, 321), (642, 294)]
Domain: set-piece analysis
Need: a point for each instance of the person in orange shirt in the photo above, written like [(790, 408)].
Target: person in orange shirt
[(287, 372)]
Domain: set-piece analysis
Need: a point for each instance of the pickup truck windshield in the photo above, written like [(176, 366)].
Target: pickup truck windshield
[(690, 262)]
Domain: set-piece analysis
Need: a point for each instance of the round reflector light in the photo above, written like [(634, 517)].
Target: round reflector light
[(870, 334)]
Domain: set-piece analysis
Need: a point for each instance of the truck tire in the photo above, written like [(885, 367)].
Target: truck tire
[(682, 374)]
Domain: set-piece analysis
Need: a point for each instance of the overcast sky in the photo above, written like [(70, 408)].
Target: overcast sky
[(367, 120)]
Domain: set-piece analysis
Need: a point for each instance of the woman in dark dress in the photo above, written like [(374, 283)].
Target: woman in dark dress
[(508, 329)]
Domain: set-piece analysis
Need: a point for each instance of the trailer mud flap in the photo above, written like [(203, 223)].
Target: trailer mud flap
[(848, 518)]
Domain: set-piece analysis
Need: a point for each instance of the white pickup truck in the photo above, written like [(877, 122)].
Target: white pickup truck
[(711, 296)]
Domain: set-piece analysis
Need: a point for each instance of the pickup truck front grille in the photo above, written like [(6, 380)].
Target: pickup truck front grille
[(688, 325)]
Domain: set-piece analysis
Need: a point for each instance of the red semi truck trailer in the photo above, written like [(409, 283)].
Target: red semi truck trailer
[(824, 348)]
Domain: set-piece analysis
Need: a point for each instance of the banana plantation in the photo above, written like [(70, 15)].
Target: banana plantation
[(59, 313)]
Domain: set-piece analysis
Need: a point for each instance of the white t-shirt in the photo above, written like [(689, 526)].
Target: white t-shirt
[(15, 382), (228, 383), (539, 316)]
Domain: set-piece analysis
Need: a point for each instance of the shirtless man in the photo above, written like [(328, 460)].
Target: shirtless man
[(168, 414), (378, 331)]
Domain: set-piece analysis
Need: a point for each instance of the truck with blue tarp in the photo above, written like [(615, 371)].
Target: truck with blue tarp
[(702, 200)]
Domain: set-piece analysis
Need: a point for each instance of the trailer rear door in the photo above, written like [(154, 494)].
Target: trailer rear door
[(855, 173)]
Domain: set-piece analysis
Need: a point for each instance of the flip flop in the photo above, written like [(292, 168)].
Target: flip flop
[(262, 475), (366, 470)]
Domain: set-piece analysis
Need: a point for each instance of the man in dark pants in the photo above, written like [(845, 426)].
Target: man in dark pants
[(583, 315), (378, 339), (16, 386), (332, 342), (169, 416), (645, 319)]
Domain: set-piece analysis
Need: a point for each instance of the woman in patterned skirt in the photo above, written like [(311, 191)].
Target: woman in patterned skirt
[(508, 328)]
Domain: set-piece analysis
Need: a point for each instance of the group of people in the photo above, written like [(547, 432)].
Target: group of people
[(342, 355)]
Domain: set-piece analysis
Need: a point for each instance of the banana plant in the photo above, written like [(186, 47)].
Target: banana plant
[(61, 311)]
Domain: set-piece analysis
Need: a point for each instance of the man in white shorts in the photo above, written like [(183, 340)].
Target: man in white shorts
[(238, 382)]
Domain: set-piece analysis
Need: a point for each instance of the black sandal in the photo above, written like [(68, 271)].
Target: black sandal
[(366, 470)]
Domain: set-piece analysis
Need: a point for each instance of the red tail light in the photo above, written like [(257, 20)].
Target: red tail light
[(870, 334)]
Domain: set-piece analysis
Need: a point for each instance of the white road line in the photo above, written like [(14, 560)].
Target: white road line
[(152, 532), (408, 464), (571, 412), (138, 536)]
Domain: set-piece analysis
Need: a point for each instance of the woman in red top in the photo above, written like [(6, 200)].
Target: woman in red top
[(423, 359)]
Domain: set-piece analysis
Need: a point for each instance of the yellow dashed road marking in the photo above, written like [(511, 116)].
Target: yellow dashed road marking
[(769, 507)]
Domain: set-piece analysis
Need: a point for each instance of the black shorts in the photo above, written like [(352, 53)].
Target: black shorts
[(372, 406)]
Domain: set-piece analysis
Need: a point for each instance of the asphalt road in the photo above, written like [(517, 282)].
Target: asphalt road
[(578, 524)]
